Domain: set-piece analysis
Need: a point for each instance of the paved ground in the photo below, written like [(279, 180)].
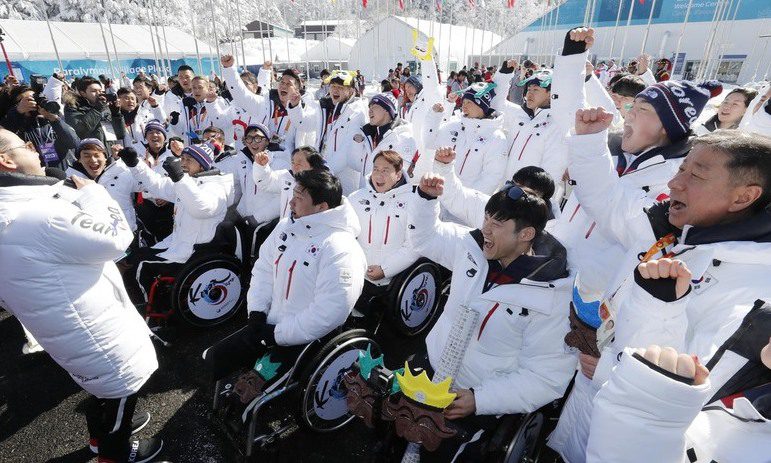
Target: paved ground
[(41, 408)]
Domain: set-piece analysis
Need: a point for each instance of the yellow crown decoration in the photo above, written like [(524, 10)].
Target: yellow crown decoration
[(348, 77), (418, 52), (420, 389)]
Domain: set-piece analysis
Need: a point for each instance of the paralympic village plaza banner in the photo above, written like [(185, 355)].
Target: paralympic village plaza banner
[(89, 67)]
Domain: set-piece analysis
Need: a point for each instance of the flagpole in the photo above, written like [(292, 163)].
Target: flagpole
[(195, 39), (152, 40), (56, 49), (107, 50), (680, 39), (648, 28), (166, 46), (241, 33), (723, 35), (449, 46), (708, 48), (465, 42), (626, 31), (163, 72), (305, 39), (615, 28)]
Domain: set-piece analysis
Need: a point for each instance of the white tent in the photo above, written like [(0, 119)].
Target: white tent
[(330, 50), (390, 41), (280, 50), (31, 40)]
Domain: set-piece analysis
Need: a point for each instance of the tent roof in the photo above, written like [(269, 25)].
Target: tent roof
[(276, 47), (328, 22), (458, 39), (330, 49), (31, 40)]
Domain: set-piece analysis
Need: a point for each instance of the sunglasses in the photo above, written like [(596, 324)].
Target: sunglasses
[(514, 191)]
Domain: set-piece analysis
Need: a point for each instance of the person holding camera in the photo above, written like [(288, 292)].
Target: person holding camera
[(36, 120), (95, 114)]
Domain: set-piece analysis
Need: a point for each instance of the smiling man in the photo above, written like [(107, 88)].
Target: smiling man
[(200, 193), (717, 222), (308, 276), (514, 275)]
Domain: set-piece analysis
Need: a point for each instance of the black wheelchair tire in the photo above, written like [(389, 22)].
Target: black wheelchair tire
[(313, 372), (394, 301), (185, 280)]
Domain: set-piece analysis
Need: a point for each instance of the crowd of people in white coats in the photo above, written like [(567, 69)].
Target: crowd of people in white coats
[(613, 233)]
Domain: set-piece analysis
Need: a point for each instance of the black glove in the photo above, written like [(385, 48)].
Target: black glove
[(173, 166), (174, 118), (188, 102), (505, 69), (129, 156), (571, 47), (267, 337), (256, 321)]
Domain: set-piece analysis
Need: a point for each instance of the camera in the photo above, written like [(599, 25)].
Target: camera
[(111, 97), (51, 106)]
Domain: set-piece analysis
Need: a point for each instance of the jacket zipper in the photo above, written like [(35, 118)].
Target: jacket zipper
[(460, 172), (289, 283), (388, 227), (487, 317), (524, 146)]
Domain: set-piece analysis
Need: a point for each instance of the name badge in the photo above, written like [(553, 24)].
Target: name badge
[(109, 132), (48, 153)]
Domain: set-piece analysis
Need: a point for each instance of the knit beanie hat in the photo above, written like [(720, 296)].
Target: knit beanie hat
[(385, 101), (156, 125), (203, 154), (481, 94), (89, 142), (262, 128), (415, 82), (679, 103)]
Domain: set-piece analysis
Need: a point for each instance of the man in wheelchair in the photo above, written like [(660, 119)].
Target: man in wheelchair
[(513, 275), (309, 274), (200, 194)]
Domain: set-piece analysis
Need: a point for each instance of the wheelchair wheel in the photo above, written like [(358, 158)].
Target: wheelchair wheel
[(322, 396), (414, 306), (524, 444), (209, 290)]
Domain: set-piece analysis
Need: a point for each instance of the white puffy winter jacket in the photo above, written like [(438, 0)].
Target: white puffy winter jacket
[(516, 361), (118, 181), (383, 221), (431, 94), (399, 137), (309, 275), (275, 182), (135, 132), (58, 278), (200, 204), (480, 148), (532, 141), (333, 135), (641, 415)]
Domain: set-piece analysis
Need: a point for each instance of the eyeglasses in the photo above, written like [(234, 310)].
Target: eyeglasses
[(514, 191), (254, 138), (28, 145)]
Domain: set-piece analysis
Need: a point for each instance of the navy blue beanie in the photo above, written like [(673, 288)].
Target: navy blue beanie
[(679, 103)]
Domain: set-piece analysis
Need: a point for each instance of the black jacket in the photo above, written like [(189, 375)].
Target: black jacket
[(87, 120), (40, 131)]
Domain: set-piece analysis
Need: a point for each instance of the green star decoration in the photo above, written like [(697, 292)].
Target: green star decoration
[(367, 363), (265, 368), (394, 383)]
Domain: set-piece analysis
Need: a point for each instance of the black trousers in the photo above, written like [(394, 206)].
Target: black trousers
[(109, 425), (143, 266), (370, 304), (241, 350)]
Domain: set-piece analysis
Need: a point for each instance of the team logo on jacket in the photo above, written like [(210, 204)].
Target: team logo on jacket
[(704, 283), (400, 205), (313, 250)]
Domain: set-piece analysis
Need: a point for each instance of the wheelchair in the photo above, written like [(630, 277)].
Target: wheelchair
[(414, 298), (313, 388), (211, 286), (522, 438)]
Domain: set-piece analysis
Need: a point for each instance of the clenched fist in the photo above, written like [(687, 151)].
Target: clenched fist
[(227, 61), (445, 155), (432, 185), (683, 365), (668, 268), (592, 120)]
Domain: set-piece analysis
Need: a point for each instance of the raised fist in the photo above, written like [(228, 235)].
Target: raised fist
[(437, 108), (592, 120), (227, 61), (173, 166), (432, 185), (683, 365), (262, 158), (444, 155), (583, 34), (668, 268), (129, 156)]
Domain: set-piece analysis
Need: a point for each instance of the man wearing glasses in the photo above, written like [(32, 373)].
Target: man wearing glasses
[(514, 275), (58, 278)]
